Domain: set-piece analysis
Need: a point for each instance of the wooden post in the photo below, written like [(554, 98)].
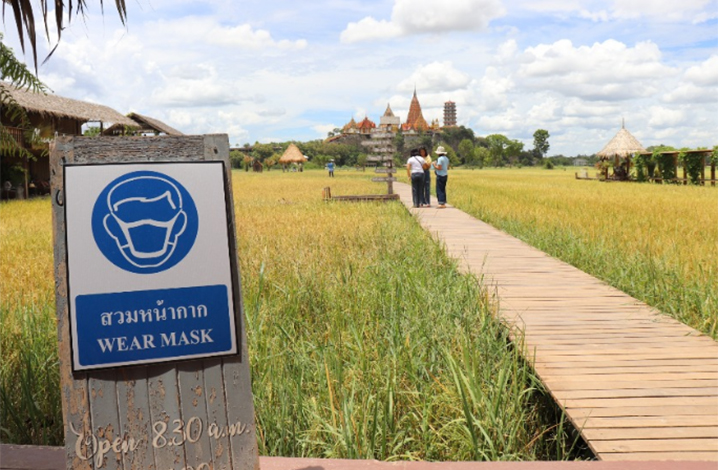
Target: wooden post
[(685, 172), (390, 183), (713, 173), (703, 170), (171, 415)]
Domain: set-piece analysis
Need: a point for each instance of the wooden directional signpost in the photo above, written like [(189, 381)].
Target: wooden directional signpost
[(389, 170), (153, 352)]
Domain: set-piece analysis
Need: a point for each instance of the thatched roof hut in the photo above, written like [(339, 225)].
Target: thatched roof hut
[(622, 145), (143, 125), (292, 155), (53, 105)]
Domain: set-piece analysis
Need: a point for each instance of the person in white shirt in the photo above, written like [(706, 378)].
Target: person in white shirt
[(415, 173)]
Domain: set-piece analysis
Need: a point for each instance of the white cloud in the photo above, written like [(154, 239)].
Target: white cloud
[(604, 71), (494, 87), (664, 117), (426, 16), (436, 76), (665, 10), (696, 11), (369, 29), (245, 36), (194, 93), (323, 129), (705, 74)]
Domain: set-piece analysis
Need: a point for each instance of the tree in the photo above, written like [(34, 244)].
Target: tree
[(466, 150), (262, 151), (454, 135), (541, 144), (399, 142), (481, 156), (498, 145), (450, 154), (20, 77)]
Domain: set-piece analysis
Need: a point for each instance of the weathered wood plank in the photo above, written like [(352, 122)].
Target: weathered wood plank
[(135, 417), (75, 398), (641, 402), (657, 445), (193, 409), (660, 456), (105, 417), (164, 402), (652, 433), (647, 421), (566, 384), (639, 392), (216, 414), (619, 411)]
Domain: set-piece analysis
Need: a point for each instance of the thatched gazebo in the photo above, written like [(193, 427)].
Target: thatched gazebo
[(292, 155), (622, 146)]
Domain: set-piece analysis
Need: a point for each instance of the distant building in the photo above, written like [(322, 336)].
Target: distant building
[(350, 127), (449, 114), (366, 126), (388, 122), (415, 120)]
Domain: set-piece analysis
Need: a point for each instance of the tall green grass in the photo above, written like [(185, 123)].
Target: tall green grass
[(364, 339)]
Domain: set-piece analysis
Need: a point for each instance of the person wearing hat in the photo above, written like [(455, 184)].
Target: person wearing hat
[(330, 167), (415, 172), (441, 168)]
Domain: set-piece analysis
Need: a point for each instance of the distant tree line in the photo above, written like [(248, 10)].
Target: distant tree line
[(462, 145)]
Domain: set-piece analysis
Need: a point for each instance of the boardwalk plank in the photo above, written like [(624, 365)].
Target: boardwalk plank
[(653, 456), (652, 433), (657, 445), (646, 421)]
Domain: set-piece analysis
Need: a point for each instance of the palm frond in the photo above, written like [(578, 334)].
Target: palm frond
[(24, 13)]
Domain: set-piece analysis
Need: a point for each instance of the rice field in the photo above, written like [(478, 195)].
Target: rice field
[(365, 341), (658, 243)]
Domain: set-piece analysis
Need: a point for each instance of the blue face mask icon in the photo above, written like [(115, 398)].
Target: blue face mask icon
[(148, 216)]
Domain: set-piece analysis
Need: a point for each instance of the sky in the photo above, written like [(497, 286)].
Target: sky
[(276, 70)]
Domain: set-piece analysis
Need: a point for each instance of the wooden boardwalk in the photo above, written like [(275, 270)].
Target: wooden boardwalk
[(636, 383)]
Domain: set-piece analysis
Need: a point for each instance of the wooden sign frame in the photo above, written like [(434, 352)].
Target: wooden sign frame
[(190, 415)]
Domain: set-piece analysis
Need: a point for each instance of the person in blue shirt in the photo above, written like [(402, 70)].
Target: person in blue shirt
[(330, 167), (441, 168)]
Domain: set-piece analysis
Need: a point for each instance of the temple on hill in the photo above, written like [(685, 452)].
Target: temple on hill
[(379, 140), (415, 120), (390, 123)]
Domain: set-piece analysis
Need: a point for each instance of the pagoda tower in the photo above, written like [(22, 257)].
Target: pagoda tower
[(449, 114), (415, 120)]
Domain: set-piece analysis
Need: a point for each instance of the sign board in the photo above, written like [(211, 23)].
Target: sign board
[(140, 239), (153, 355), (383, 179), (385, 170)]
